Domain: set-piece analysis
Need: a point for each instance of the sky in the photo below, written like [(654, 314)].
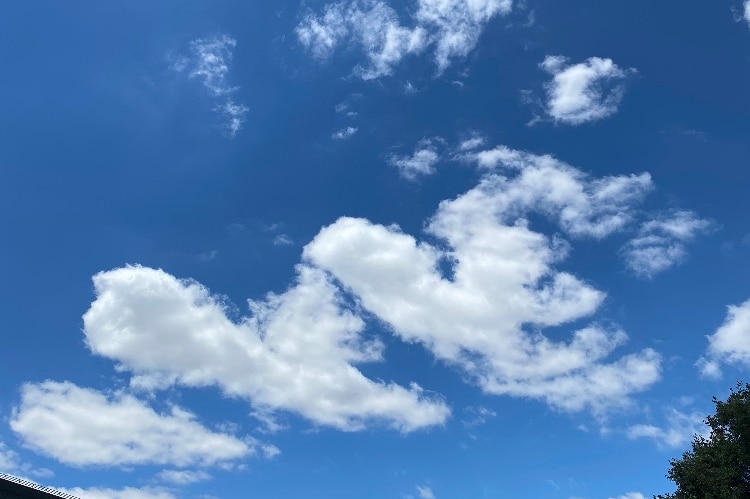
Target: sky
[(365, 248)]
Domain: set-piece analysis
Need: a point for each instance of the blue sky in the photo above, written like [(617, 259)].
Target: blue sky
[(434, 249)]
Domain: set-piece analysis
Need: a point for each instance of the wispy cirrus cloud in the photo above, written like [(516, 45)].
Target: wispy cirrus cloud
[(451, 28), (583, 92), (209, 61)]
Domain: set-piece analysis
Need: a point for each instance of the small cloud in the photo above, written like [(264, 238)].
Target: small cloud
[(679, 431), (282, 240), (208, 61), (208, 256), (344, 133), (425, 492), (183, 477), (421, 162), (583, 92), (729, 344), (409, 88), (477, 416), (661, 243), (475, 141)]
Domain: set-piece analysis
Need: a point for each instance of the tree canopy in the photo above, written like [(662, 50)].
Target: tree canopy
[(717, 467)]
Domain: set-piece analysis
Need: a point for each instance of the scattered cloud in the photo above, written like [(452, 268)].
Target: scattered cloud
[(9, 460), (488, 315), (421, 162), (583, 92), (183, 477), (660, 243), (679, 432), (11, 463), (83, 427), (425, 492), (472, 143), (746, 12), (282, 240), (208, 61), (451, 28), (630, 495), (730, 343), (295, 353), (582, 206), (344, 133), (126, 493), (477, 416)]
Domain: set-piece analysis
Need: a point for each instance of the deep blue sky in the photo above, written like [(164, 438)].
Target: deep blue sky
[(115, 150)]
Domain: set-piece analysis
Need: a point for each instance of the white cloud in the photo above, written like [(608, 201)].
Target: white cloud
[(282, 240), (209, 62), (746, 11), (234, 116), (183, 477), (451, 27), (730, 343), (126, 493), (679, 430), (478, 416), (296, 352), (472, 143), (488, 316), (581, 205), (425, 492), (11, 463), (82, 427), (660, 243), (344, 133), (421, 162), (583, 92), (9, 460), (630, 495)]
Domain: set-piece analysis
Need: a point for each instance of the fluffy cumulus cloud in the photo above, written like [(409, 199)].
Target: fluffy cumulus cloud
[(297, 352), (126, 493), (730, 343), (677, 433), (583, 92), (208, 61), (488, 314), (661, 243), (450, 27), (425, 492), (83, 427), (421, 162)]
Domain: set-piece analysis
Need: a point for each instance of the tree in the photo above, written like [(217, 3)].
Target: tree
[(718, 467)]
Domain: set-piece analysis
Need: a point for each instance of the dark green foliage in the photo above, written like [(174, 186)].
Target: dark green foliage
[(718, 467)]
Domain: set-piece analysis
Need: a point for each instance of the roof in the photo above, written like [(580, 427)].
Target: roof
[(12, 487)]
